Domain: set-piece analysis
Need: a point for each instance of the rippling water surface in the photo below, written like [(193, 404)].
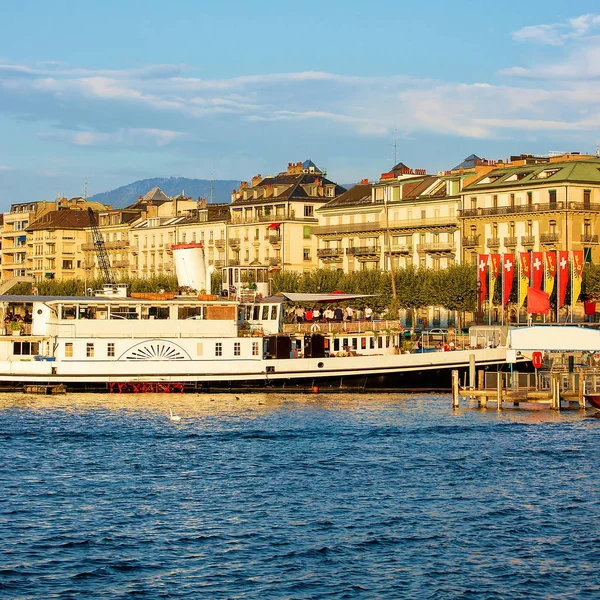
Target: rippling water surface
[(320, 496)]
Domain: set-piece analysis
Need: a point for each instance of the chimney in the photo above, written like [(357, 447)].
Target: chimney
[(364, 181), (256, 180)]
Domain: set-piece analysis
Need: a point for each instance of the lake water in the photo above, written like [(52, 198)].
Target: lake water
[(304, 496)]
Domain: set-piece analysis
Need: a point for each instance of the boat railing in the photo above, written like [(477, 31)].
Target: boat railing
[(342, 327)]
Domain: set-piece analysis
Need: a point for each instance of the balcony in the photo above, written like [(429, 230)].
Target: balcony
[(510, 242), (274, 261), (116, 245), (233, 262), (549, 239), (437, 247), (470, 241), (220, 243), (234, 242), (529, 208), (273, 218), (364, 251), (401, 248), (275, 240), (527, 240), (120, 264), (330, 254), (493, 242), (219, 263), (588, 238)]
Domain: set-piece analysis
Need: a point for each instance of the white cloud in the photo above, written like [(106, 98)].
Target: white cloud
[(558, 34), (6, 168), (119, 138)]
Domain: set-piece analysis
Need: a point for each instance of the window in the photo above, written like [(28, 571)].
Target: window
[(237, 349), (309, 210), (306, 232), (495, 201), (219, 349), (587, 195), (512, 200), (25, 348), (89, 350), (67, 265), (473, 202), (110, 349), (306, 254), (552, 196), (254, 348), (529, 198)]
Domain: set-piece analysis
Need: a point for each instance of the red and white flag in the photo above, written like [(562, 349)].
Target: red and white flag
[(538, 302), (563, 276), (482, 261), (508, 272), (537, 269)]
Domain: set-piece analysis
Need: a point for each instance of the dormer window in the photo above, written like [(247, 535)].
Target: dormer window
[(518, 176), (546, 173)]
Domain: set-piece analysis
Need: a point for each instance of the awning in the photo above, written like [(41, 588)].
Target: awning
[(22, 238), (336, 297), (273, 225)]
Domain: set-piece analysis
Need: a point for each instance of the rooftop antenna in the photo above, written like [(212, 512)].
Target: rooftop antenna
[(395, 146)]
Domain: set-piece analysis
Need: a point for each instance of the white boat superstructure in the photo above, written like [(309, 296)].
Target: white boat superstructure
[(109, 342)]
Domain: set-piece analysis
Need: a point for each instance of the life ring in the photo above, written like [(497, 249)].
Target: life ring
[(315, 327)]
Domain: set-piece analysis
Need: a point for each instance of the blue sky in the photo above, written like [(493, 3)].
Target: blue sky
[(115, 91)]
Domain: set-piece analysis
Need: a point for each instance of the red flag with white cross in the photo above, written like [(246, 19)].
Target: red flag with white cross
[(508, 272), (563, 276), (481, 276), (537, 269)]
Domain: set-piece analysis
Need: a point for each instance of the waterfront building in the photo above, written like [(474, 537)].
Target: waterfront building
[(28, 250), (532, 203), (271, 219)]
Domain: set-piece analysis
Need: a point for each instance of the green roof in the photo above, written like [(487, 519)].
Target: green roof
[(572, 171)]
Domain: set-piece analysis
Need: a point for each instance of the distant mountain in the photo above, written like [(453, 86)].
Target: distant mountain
[(171, 186)]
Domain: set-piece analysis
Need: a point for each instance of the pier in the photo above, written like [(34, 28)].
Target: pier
[(562, 382)]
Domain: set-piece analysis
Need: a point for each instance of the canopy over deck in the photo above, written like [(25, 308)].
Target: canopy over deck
[(333, 298), (561, 338)]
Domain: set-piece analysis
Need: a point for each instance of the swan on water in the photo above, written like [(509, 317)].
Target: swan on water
[(173, 417)]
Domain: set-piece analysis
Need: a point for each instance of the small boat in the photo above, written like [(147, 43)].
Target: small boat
[(593, 399)]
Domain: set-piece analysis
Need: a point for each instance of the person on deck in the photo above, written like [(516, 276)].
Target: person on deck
[(338, 315), (349, 313), (368, 313)]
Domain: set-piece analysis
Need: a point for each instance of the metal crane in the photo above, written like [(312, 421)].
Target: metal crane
[(101, 253)]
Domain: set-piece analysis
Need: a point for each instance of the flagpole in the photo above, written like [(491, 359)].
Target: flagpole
[(491, 266), (557, 285), (572, 288), (545, 278), (519, 288), (503, 276)]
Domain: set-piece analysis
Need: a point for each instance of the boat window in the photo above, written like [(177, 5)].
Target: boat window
[(345, 344), (254, 348), (274, 312), (110, 349), (89, 350), (256, 315), (355, 343), (387, 341), (68, 311), (336, 344), (380, 342), (265, 312), (123, 312), (158, 312), (191, 312), (26, 348), (218, 349), (237, 349), (68, 349), (372, 344), (363, 343)]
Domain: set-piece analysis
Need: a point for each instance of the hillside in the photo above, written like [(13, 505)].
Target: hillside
[(171, 186)]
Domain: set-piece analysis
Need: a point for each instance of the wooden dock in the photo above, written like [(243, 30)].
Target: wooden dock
[(557, 389)]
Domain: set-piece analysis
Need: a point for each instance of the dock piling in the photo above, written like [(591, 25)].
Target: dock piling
[(455, 388)]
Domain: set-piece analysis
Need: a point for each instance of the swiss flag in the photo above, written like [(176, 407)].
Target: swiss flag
[(563, 275), (538, 302), (537, 268), (481, 278), (508, 272)]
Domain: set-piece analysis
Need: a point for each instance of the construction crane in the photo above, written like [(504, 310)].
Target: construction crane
[(100, 249)]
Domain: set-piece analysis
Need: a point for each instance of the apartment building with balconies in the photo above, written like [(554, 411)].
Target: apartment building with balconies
[(271, 219), (533, 203), (407, 218)]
